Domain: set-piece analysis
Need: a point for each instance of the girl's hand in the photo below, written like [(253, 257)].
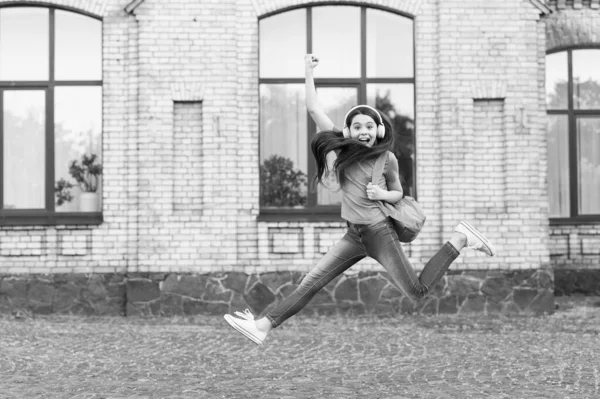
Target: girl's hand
[(375, 193), (310, 61)]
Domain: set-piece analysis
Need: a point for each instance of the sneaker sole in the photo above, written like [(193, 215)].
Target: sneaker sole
[(477, 234), (229, 319)]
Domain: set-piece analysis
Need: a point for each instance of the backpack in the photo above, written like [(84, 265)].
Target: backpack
[(407, 215)]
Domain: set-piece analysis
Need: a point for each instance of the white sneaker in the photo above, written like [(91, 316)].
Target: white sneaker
[(247, 326), (475, 240)]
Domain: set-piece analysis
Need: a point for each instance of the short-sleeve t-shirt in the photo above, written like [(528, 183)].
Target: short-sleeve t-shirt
[(356, 206)]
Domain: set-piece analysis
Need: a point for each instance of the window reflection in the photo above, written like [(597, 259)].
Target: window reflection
[(586, 79), (557, 78), (24, 43), (558, 165), (24, 149), (389, 45), (77, 131), (283, 45), (396, 101), (78, 47), (283, 145), (588, 142), (338, 42)]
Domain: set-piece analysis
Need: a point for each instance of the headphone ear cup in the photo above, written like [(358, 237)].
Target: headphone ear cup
[(346, 132), (380, 131)]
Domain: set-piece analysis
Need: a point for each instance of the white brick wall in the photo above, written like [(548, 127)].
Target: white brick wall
[(204, 54)]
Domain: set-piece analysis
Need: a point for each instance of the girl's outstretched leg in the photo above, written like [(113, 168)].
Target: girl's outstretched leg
[(383, 245), (339, 258)]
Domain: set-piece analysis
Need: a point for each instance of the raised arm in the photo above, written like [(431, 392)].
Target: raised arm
[(312, 103)]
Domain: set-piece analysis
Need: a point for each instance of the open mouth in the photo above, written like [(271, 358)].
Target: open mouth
[(364, 139)]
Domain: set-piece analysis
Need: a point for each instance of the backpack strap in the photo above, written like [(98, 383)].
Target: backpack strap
[(378, 167)]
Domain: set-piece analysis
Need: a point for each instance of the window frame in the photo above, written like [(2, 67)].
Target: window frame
[(48, 215), (331, 213), (572, 116)]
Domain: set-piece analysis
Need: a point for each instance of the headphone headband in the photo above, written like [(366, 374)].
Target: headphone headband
[(364, 106)]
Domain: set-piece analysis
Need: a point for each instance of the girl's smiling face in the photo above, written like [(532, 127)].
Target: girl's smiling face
[(364, 129)]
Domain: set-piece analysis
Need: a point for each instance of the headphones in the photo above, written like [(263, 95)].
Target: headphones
[(380, 126)]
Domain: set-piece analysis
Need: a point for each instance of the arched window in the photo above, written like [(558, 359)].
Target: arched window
[(367, 57), (51, 104), (573, 108)]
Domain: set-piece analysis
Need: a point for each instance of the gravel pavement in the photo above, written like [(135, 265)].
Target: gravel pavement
[(473, 356)]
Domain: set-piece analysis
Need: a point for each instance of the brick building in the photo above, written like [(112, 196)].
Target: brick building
[(193, 107)]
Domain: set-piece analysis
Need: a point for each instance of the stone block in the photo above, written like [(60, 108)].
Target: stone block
[(543, 303), (544, 279), (347, 290), (95, 289), (462, 285), (259, 297), (170, 305), (14, 288), (111, 307), (493, 307), (193, 286), (235, 281), (474, 303), (572, 282), (41, 292), (142, 291), (510, 308), (286, 290), (497, 288), (65, 296), (275, 280), (370, 291), (237, 303), (429, 305), (390, 291), (520, 277), (215, 292), (448, 304), (522, 297), (406, 305)]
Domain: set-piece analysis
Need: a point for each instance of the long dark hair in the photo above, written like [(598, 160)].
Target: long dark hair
[(350, 150)]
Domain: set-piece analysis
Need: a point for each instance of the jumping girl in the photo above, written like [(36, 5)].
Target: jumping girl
[(351, 155)]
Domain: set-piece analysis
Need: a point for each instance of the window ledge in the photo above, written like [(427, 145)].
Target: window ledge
[(581, 220), (15, 218), (324, 214)]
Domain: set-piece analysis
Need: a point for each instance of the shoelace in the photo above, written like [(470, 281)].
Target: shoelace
[(247, 315)]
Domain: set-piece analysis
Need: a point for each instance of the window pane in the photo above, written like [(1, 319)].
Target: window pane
[(24, 43), (389, 45), (77, 130), (283, 45), (397, 102), (283, 146), (557, 77), (588, 142), (586, 79), (78, 47), (24, 149), (336, 102), (337, 44), (558, 166)]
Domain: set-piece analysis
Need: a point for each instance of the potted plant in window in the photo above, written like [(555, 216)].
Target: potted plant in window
[(281, 185), (86, 173)]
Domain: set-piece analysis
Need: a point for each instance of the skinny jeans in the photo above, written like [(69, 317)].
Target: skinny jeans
[(380, 242)]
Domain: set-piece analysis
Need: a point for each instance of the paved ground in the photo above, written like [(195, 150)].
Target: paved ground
[(408, 357)]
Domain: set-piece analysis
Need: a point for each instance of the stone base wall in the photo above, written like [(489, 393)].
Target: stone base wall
[(170, 294), (577, 282)]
